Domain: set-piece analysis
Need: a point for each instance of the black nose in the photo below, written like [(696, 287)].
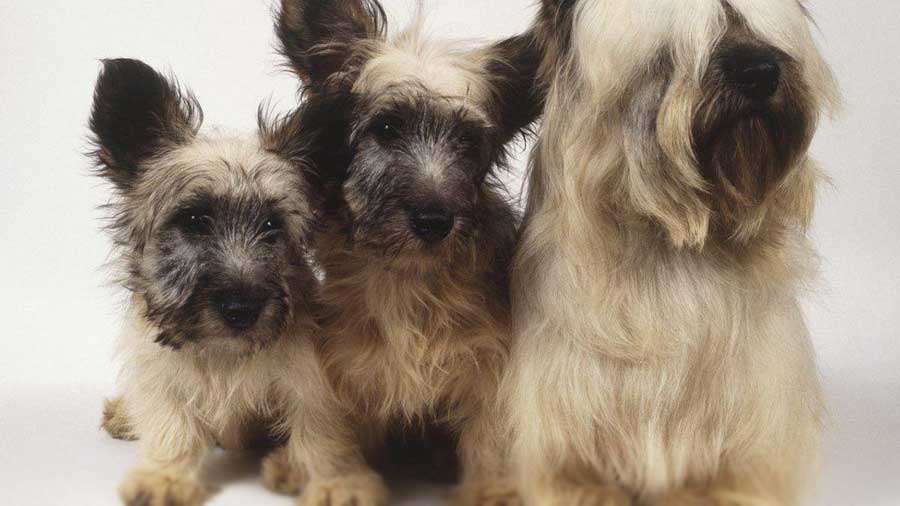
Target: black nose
[(432, 224), (239, 311), (756, 77)]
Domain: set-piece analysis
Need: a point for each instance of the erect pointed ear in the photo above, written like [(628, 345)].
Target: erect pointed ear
[(318, 36), (517, 95), (136, 114), (312, 138)]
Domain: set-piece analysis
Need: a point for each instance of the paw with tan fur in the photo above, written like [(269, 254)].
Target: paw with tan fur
[(354, 490), (487, 493), (115, 420), (583, 495), (145, 487), (698, 497), (280, 475)]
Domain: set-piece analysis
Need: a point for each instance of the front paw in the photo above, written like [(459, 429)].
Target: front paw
[(699, 497), (367, 489), (144, 487), (280, 475), (115, 420), (589, 496), (486, 493)]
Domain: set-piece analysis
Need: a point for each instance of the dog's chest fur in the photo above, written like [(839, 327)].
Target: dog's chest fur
[(668, 364), (230, 397), (411, 345)]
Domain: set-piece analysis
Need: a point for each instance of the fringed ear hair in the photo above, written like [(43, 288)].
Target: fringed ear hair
[(512, 71), (318, 36), (312, 138), (136, 113), (285, 135)]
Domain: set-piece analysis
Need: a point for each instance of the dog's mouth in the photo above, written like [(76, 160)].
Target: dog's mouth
[(746, 155), (727, 130), (411, 250), (772, 122), (233, 330), (402, 239), (261, 326), (419, 259)]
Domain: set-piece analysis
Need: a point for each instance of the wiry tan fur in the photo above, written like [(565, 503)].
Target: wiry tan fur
[(414, 339), (417, 333), (412, 346), (183, 403), (449, 69), (661, 358), (180, 402)]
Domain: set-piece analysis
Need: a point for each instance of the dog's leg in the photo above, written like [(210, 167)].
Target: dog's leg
[(571, 484), (115, 420), (324, 458), (484, 453), (323, 455), (562, 492), (717, 495), (703, 497), (281, 475), (357, 488), (756, 484), (172, 447)]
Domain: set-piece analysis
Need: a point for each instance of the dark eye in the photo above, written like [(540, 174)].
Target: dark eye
[(271, 229), (386, 129), (194, 221)]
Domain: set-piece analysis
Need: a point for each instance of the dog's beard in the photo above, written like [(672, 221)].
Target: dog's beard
[(399, 248), (390, 242), (195, 321), (746, 150)]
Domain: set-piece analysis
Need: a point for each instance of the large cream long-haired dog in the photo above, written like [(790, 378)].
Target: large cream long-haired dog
[(662, 357)]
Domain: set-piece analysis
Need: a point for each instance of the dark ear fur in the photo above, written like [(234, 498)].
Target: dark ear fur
[(292, 137), (136, 113), (283, 135), (553, 30), (317, 35), (519, 97), (313, 138), (556, 9)]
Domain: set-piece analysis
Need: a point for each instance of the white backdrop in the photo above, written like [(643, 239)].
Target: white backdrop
[(59, 317)]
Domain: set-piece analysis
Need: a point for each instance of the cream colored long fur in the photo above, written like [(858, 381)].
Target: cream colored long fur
[(657, 361)]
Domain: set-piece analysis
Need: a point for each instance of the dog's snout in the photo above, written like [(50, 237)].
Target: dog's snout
[(756, 76), (240, 309), (431, 224)]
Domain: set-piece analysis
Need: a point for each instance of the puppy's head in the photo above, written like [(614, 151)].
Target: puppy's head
[(211, 229), (717, 102), (414, 127)]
